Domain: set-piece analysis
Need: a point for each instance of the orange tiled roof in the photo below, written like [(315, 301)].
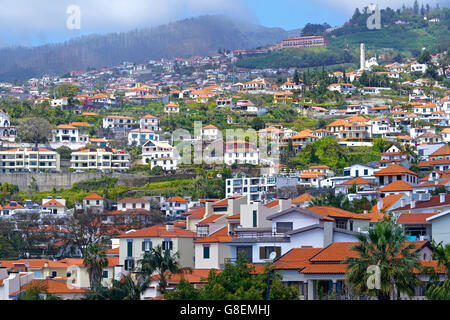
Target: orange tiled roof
[(388, 201), (296, 258), (302, 198), (357, 180), (211, 218), (218, 236), (54, 286), (393, 170), (335, 212), (420, 218), (272, 204), (177, 199), (398, 185), (93, 196)]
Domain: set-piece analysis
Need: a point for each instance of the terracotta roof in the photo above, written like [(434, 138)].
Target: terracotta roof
[(302, 198), (335, 212), (192, 276), (93, 196), (33, 263), (332, 268), (357, 180), (398, 185), (431, 163), (177, 199), (420, 218), (130, 200), (196, 213), (211, 218), (375, 216), (272, 204), (235, 216), (433, 202), (54, 286), (219, 236), (113, 251), (224, 202), (394, 170), (296, 258), (112, 261), (53, 203), (388, 201), (159, 231)]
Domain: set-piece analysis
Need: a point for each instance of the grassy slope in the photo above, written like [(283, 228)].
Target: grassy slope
[(404, 40)]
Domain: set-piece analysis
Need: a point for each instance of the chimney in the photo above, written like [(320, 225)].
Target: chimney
[(413, 204), (327, 234), (209, 209), (402, 202), (169, 227), (380, 204), (441, 197), (46, 264)]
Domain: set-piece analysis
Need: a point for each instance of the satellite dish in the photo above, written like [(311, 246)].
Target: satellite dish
[(219, 176), (273, 255)]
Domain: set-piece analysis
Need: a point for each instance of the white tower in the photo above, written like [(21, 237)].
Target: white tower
[(363, 56)]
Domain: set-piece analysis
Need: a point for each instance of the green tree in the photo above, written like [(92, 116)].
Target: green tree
[(161, 262), (385, 246), (35, 130), (436, 289), (127, 288), (64, 152), (95, 261), (238, 281)]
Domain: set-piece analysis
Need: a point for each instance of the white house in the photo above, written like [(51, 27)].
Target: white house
[(149, 122), (141, 136)]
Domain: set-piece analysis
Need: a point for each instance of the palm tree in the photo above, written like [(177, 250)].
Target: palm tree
[(385, 246), (161, 262), (127, 288), (95, 261), (437, 290)]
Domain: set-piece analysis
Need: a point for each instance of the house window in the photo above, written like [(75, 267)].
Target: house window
[(255, 218), (167, 245), (146, 245), (264, 252), (105, 274), (130, 248), (54, 274), (206, 252), (341, 224), (283, 227), (129, 264)]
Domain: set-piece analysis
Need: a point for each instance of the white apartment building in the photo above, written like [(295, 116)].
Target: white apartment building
[(103, 159), (167, 163), (141, 136), (133, 204), (240, 152), (69, 133), (29, 160), (156, 149), (210, 132), (149, 122), (257, 188), (118, 123)]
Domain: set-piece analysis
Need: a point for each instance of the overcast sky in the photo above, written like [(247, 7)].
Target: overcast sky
[(33, 22)]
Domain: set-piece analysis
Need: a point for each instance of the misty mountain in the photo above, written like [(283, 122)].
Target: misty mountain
[(186, 38)]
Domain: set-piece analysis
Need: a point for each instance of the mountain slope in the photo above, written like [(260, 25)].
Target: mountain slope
[(196, 36)]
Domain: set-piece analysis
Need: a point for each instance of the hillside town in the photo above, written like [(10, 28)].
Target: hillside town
[(199, 165)]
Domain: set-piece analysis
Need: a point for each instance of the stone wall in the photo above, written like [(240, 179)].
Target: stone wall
[(65, 180)]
